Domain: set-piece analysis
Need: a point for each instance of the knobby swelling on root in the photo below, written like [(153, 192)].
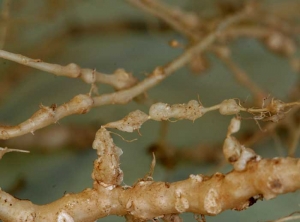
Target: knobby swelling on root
[(252, 177)]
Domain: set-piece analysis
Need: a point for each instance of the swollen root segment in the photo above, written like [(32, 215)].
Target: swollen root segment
[(106, 166), (194, 110), (235, 153), (206, 195), (80, 104), (162, 111)]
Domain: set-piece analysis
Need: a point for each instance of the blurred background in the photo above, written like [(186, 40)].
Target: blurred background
[(107, 35)]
